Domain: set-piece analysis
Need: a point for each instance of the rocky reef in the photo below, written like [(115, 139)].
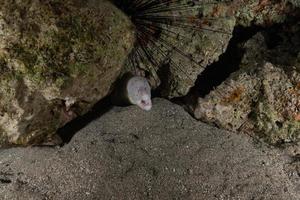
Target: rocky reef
[(57, 59), (233, 64), (263, 96), (197, 46)]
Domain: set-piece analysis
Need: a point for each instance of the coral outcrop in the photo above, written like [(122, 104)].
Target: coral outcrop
[(195, 46), (57, 59), (263, 96)]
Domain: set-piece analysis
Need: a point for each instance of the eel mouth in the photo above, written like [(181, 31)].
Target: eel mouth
[(145, 105)]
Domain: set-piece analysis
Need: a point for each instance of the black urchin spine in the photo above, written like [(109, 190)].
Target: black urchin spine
[(157, 23)]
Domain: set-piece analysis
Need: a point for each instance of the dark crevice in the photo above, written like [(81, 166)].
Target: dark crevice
[(228, 62), (273, 37), (70, 129), (5, 181)]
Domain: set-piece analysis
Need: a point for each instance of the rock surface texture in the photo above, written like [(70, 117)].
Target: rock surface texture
[(263, 96), (193, 45), (57, 59), (164, 154)]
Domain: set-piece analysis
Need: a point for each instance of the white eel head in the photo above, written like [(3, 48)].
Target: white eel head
[(139, 92)]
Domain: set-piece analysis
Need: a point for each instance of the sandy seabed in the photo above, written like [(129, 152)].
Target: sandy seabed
[(163, 154)]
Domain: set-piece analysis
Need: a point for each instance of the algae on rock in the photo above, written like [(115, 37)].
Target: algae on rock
[(185, 49), (263, 96), (57, 59)]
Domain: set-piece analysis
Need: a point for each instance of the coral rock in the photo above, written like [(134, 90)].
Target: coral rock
[(263, 96), (57, 59)]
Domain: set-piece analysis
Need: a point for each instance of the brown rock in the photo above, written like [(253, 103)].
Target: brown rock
[(57, 59)]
